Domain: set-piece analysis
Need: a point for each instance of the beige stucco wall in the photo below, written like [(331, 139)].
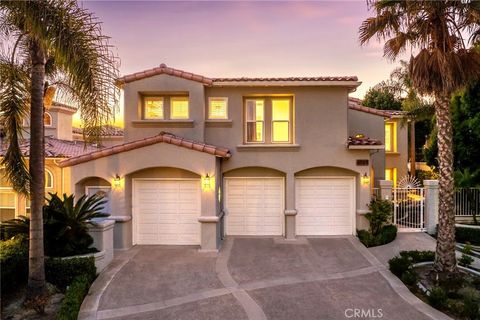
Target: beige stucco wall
[(61, 127), (163, 84), (399, 159)]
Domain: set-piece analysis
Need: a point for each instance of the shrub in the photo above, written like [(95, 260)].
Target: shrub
[(409, 277), (416, 256), (74, 298), (13, 263), (399, 265), (386, 235), (380, 213), (471, 235), (61, 272), (437, 298), (471, 309), (466, 260)]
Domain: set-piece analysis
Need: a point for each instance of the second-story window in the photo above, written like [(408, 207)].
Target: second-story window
[(179, 108), (217, 108), (153, 108), (47, 119), (255, 120), (280, 120), (390, 137)]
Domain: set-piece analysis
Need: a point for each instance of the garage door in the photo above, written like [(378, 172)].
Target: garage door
[(167, 211), (254, 206), (325, 206)]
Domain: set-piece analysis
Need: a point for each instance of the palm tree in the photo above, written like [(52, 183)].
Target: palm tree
[(440, 64), (56, 41)]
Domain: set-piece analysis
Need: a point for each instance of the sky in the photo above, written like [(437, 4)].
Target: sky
[(240, 38)]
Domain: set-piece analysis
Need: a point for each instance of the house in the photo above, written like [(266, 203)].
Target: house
[(205, 158), (61, 141)]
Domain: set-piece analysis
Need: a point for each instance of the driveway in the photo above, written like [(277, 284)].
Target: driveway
[(253, 278)]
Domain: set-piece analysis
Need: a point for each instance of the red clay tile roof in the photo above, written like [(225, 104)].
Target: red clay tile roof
[(326, 78), (56, 148), (356, 104), (162, 137), (163, 69), (58, 105), (363, 141), (107, 131)]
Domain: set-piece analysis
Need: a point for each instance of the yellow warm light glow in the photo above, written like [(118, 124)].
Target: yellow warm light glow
[(208, 182), (153, 108), (281, 120), (365, 180), (118, 182), (179, 108), (390, 137), (217, 108), (255, 118), (391, 174)]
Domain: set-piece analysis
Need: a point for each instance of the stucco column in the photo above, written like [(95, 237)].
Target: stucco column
[(102, 234), (386, 187), (209, 220), (431, 205), (290, 211)]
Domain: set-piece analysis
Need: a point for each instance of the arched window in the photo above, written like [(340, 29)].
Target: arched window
[(48, 179), (47, 119)]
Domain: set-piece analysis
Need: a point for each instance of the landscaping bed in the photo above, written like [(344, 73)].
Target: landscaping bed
[(457, 295), (380, 231)]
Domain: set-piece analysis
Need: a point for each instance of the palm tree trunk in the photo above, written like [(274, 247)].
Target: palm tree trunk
[(36, 268), (445, 260)]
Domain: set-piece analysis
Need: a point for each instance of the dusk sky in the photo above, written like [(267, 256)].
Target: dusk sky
[(232, 38)]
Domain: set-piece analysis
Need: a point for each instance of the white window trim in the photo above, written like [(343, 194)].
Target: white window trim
[(209, 116), (247, 121), (144, 107), (15, 207), (182, 98)]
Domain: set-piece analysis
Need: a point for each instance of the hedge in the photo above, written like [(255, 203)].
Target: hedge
[(465, 234), (62, 272), (73, 299), (386, 235), (13, 263)]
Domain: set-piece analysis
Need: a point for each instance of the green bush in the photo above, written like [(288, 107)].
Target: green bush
[(74, 298), (437, 298), (399, 265), (386, 235), (61, 272), (380, 213), (13, 263), (409, 277), (466, 260), (470, 235), (416, 256)]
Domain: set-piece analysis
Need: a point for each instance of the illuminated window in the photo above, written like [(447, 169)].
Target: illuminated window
[(390, 137), (391, 174), (255, 116), (281, 120), (179, 108), (47, 119), (8, 205), (153, 108), (48, 179), (218, 108), (27, 207)]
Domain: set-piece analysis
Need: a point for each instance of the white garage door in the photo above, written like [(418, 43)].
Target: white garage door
[(167, 211), (325, 206), (254, 206)]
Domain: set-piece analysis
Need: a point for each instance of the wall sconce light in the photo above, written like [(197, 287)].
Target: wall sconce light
[(117, 181), (206, 182), (365, 179), (359, 136)]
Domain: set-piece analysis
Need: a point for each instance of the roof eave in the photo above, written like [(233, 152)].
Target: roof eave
[(286, 83)]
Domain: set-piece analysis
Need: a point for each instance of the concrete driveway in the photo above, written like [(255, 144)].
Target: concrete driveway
[(253, 278)]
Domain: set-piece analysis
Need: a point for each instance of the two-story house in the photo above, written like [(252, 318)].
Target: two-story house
[(204, 158)]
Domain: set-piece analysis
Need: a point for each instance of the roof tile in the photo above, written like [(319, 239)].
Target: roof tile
[(56, 148)]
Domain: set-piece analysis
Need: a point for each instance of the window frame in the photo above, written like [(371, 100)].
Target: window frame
[(15, 201), (49, 116), (393, 174), (246, 121), (50, 174), (144, 106), (209, 115), (392, 138), (178, 98), (289, 121)]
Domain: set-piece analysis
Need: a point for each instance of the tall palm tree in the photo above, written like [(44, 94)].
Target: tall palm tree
[(57, 41), (441, 63)]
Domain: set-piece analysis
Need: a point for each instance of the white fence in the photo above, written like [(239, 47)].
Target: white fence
[(409, 208), (467, 202)]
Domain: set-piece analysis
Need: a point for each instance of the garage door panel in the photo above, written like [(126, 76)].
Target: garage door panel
[(254, 206), (167, 211), (324, 205)]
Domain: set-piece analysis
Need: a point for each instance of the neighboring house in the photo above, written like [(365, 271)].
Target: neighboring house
[(390, 163), (209, 157), (61, 141)]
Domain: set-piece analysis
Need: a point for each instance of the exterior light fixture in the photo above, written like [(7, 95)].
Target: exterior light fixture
[(359, 136), (117, 181), (206, 182), (365, 179)]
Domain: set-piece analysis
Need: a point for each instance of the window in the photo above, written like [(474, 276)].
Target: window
[(153, 108), (179, 108), (391, 174), (280, 120), (47, 119), (217, 108), (48, 179), (390, 137), (8, 205), (27, 207), (255, 116)]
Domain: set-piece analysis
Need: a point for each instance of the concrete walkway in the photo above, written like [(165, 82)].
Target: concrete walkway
[(254, 278)]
